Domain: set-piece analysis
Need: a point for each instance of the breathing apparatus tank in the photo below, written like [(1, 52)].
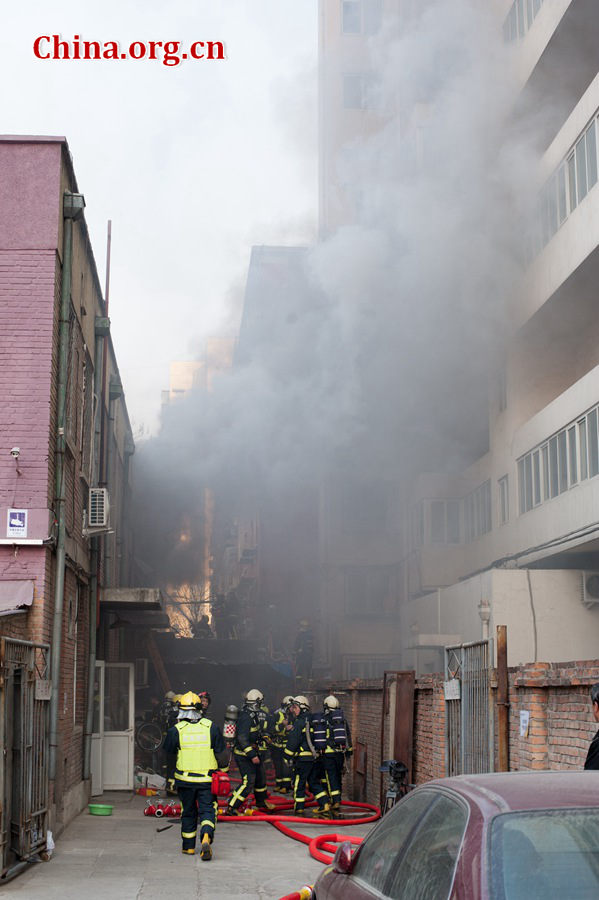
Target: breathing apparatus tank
[(230, 723)]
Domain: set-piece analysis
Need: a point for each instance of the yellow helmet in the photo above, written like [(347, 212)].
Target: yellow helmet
[(189, 700)]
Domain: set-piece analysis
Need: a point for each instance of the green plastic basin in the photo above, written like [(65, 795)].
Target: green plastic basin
[(100, 809)]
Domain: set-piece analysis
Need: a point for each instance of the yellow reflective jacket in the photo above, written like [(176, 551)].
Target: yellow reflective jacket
[(195, 758)]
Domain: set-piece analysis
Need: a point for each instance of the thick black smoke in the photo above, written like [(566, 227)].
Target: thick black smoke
[(367, 355)]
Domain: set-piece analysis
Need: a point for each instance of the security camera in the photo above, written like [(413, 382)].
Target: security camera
[(16, 451)]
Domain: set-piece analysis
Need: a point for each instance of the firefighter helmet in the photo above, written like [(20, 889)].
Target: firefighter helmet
[(287, 700), (176, 698), (189, 701), (302, 702), (254, 698), (330, 702), (170, 695)]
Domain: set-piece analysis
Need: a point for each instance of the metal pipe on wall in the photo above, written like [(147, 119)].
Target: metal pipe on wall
[(93, 585), (73, 205)]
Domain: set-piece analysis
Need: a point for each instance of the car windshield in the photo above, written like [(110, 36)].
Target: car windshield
[(546, 854)]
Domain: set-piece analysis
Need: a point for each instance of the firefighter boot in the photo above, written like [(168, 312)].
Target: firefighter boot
[(206, 850), (324, 812), (190, 851), (265, 806)]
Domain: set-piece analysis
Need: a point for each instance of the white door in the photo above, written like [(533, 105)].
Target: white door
[(98, 730), (119, 721)]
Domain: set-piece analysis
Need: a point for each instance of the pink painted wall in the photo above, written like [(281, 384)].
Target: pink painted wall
[(29, 226), (29, 194)]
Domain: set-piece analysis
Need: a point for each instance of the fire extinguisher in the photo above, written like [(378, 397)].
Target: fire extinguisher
[(230, 723)]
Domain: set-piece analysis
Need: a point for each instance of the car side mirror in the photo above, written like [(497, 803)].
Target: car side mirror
[(342, 861)]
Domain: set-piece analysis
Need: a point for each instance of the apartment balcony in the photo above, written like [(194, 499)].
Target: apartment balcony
[(558, 467), (567, 266), (554, 55)]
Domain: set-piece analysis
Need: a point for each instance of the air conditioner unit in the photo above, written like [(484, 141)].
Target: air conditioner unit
[(98, 508), (590, 589), (141, 672)]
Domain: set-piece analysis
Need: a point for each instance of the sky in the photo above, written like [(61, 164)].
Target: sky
[(193, 164)]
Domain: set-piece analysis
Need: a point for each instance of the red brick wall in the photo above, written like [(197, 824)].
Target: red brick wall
[(555, 694)]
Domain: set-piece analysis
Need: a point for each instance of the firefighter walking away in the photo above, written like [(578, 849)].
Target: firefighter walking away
[(201, 750)]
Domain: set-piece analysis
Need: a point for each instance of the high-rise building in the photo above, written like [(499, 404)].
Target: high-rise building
[(513, 538)]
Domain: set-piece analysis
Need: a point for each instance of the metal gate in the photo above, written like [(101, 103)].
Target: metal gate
[(469, 741), (24, 695)]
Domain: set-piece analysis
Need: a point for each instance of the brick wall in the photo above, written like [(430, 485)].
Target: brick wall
[(556, 696)]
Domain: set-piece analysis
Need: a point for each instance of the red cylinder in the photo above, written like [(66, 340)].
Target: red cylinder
[(150, 810)]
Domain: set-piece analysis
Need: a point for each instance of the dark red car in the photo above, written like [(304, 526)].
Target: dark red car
[(508, 836)]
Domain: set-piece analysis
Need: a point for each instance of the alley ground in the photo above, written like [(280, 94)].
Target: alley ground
[(122, 857)]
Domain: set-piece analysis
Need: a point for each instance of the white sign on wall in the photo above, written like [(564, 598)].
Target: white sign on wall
[(16, 523), (451, 689)]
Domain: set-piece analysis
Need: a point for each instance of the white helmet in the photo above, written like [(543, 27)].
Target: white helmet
[(302, 702), (287, 700), (330, 702), (254, 698)]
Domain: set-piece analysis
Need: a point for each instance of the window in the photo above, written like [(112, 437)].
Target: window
[(445, 521), (427, 866), (369, 590), (570, 456), (378, 854), (351, 16), (554, 850), (477, 512), (361, 16), (568, 186), (520, 18), (504, 500)]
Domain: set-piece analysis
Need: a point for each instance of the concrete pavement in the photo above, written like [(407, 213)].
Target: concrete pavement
[(122, 857)]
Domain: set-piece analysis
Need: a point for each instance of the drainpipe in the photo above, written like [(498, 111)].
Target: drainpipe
[(73, 206), (102, 328), (115, 390)]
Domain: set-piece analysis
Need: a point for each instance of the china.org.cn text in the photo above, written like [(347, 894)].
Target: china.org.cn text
[(169, 53)]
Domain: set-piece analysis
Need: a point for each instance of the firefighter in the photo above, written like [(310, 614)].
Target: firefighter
[(307, 762), (337, 751), (200, 749), (303, 651), (280, 726), (205, 700), (248, 750)]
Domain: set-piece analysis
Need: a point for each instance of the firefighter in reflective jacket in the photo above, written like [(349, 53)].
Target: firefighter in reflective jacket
[(308, 767), (279, 730), (250, 744), (200, 749), (337, 751)]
